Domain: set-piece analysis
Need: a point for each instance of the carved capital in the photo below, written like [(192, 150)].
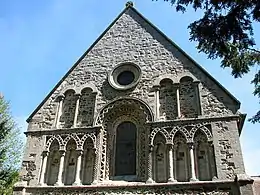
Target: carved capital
[(45, 153), (62, 152), (79, 152), (60, 97), (78, 95), (191, 145), (151, 148)]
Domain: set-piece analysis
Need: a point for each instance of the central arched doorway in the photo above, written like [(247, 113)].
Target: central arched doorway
[(125, 150)]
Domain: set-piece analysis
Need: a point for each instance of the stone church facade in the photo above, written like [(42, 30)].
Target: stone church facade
[(135, 115)]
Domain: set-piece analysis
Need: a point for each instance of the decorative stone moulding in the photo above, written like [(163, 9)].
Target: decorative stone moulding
[(124, 76)]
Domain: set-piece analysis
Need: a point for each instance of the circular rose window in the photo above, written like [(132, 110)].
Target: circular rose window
[(124, 76)]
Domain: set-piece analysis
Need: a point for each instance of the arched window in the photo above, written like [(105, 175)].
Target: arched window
[(125, 154), (181, 163), (68, 109), (168, 103), (88, 162), (160, 158), (53, 163), (188, 98), (205, 163), (70, 163), (86, 108)]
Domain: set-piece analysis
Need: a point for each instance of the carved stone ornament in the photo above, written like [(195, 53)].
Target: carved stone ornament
[(29, 166)]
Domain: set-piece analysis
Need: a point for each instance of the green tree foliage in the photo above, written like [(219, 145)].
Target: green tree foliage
[(10, 149), (225, 31)]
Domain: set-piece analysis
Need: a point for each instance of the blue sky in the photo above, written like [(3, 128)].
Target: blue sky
[(41, 40)]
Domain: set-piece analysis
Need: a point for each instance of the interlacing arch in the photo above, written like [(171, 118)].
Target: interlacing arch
[(72, 136), (51, 139), (86, 136), (203, 129), (62, 143), (163, 132), (184, 131)]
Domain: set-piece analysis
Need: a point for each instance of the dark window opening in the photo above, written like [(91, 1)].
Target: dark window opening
[(125, 78), (125, 158)]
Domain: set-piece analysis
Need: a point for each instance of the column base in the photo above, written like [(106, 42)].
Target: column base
[(77, 183), (171, 180), (42, 184), (149, 180), (95, 182), (193, 179), (59, 184)]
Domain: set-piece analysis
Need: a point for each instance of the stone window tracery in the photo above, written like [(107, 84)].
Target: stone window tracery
[(167, 100), (68, 109), (189, 101)]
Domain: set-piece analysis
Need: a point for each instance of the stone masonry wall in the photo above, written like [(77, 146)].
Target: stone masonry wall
[(130, 39), (227, 147)]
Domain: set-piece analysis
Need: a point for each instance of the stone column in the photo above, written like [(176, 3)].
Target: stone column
[(197, 91), (95, 172), (57, 121), (178, 100), (76, 111), (170, 157), (78, 168), (192, 162), (59, 180), (150, 166), (175, 160), (43, 168), (157, 102)]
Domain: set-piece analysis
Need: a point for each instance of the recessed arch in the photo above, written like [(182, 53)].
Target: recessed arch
[(161, 131), (74, 137), (203, 129), (181, 130), (52, 139), (143, 106)]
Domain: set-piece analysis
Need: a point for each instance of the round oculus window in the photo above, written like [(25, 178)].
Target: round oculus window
[(124, 76)]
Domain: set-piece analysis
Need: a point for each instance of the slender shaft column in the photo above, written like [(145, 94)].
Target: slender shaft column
[(76, 111), (157, 103), (197, 91), (43, 169), (178, 100), (61, 98), (95, 171), (175, 161), (170, 157), (78, 168), (59, 180), (192, 162), (150, 166)]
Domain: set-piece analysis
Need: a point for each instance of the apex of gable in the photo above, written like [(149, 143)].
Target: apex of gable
[(129, 4)]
